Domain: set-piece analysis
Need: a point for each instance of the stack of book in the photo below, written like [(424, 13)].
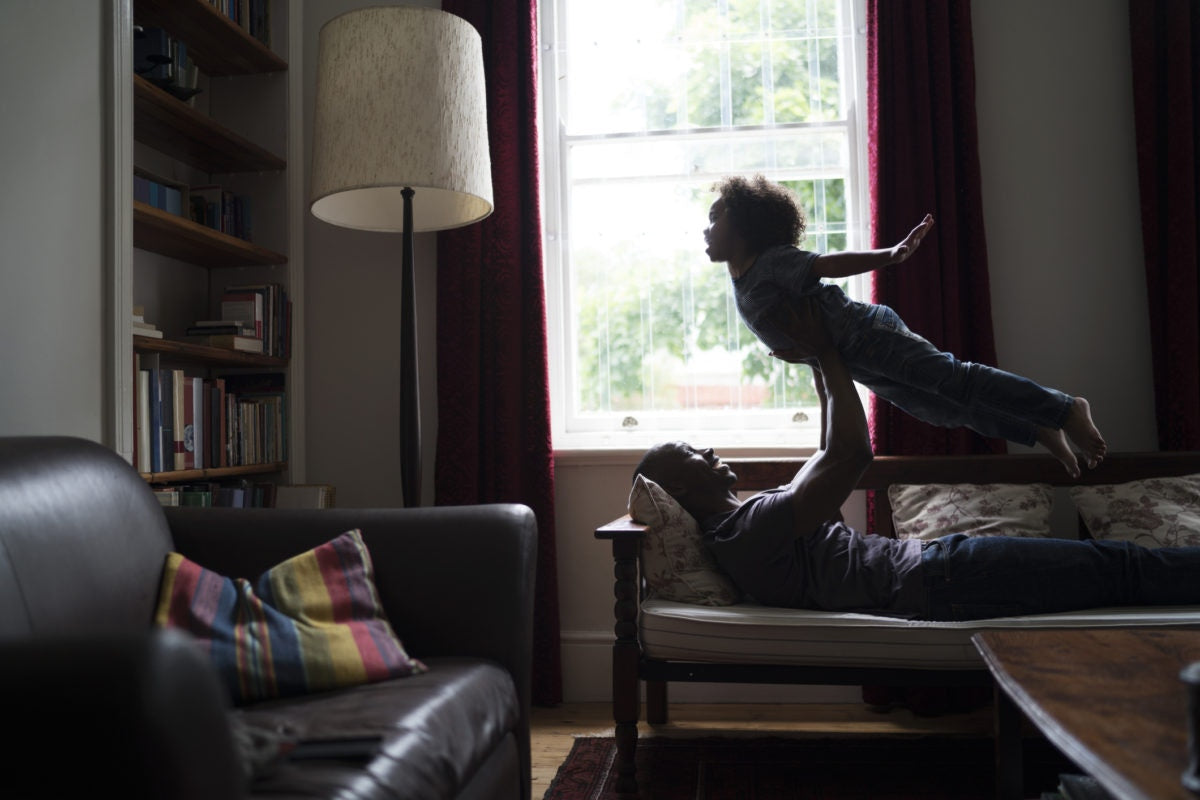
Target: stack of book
[(233, 334), (143, 328), (253, 318)]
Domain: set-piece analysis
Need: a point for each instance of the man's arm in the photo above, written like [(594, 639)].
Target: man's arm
[(846, 263), (826, 480)]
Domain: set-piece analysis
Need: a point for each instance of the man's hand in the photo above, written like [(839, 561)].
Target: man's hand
[(906, 248), (806, 325)]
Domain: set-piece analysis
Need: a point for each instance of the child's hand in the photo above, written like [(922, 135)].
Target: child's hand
[(906, 248)]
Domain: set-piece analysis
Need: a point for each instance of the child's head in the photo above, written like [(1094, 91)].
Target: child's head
[(763, 212)]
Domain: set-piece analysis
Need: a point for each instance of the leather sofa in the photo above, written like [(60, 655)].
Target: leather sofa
[(96, 700)]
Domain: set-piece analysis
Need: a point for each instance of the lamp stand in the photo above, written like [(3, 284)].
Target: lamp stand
[(410, 408)]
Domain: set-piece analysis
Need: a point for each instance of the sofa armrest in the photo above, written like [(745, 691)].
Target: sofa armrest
[(142, 714)]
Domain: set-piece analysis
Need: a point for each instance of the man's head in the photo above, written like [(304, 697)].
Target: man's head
[(697, 479), (761, 213)]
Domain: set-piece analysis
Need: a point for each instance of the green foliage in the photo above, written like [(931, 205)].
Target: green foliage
[(649, 304)]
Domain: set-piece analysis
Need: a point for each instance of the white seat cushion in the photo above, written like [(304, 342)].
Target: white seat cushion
[(747, 633)]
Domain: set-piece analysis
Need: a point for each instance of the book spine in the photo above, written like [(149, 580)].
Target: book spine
[(196, 398), (167, 421), (179, 426), (189, 423), (142, 427)]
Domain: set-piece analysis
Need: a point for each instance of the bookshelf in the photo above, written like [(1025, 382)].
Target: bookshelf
[(236, 134)]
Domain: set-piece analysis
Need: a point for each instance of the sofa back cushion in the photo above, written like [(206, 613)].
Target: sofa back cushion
[(82, 539)]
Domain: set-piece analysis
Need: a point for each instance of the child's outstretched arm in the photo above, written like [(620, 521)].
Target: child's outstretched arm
[(841, 265)]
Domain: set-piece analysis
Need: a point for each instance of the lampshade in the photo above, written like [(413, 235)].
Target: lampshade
[(400, 102)]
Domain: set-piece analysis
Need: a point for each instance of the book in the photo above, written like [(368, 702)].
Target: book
[(208, 327), (167, 497), (205, 205), (224, 330), (166, 410), (178, 428), (243, 306), (189, 423), (245, 344), (217, 434), (230, 496), (143, 420), (198, 406)]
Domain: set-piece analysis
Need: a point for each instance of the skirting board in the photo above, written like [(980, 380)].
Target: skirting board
[(587, 678)]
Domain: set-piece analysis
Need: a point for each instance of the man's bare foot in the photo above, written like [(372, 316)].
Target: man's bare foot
[(1056, 442), (1084, 434)]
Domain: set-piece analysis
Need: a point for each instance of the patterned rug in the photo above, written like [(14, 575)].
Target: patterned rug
[(877, 768)]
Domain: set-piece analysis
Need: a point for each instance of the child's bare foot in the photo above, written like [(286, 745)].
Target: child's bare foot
[(1056, 442), (1080, 429)]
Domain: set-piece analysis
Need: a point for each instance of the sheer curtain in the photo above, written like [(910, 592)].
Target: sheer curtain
[(493, 386), (923, 157), (1165, 48)]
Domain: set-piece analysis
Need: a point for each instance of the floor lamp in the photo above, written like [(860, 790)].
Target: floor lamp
[(400, 144)]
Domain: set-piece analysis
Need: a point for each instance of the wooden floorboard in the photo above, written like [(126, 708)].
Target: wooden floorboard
[(555, 729)]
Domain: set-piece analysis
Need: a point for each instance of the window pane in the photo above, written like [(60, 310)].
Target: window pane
[(651, 115)]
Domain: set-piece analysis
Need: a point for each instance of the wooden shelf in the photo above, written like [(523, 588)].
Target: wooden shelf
[(203, 354), (174, 128), (178, 237), (213, 473), (215, 43)]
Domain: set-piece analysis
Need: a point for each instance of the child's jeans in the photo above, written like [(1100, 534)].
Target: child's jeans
[(912, 374)]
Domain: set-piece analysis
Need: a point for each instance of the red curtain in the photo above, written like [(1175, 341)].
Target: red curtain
[(924, 158), (1165, 48), (493, 387)]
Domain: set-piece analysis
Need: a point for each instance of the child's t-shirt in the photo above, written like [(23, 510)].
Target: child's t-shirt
[(784, 274)]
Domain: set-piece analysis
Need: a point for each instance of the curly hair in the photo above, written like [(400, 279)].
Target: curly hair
[(765, 213)]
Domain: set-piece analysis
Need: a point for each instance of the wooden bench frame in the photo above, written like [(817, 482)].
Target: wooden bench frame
[(631, 666)]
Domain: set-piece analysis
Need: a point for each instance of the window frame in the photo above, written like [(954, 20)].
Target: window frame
[(773, 430)]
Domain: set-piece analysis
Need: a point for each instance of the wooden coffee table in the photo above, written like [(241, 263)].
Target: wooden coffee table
[(1110, 699)]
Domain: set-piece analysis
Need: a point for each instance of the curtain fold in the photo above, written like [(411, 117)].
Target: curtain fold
[(1165, 50), (494, 442), (923, 156)]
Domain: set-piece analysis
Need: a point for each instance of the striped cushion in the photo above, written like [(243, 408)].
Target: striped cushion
[(310, 623)]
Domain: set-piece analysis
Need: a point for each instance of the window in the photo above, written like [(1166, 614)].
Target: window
[(646, 104)]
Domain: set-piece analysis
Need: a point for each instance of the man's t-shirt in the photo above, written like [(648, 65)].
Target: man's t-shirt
[(833, 568)]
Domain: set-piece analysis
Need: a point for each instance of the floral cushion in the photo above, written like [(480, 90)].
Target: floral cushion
[(930, 510), (1154, 512), (676, 564)]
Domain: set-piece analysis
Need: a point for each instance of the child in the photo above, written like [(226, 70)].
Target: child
[(754, 227)]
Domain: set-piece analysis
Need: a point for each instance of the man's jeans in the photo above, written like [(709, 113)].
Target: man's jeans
[(913, 375), (994, 576)]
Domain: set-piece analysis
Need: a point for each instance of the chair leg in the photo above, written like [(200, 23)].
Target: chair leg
[(656, 702), (626, 657)]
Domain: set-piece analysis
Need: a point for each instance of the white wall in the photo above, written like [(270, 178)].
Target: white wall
[(1064, 242), (53, 287), (352, 334)]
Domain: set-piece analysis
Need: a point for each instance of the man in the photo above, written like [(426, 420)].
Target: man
[(789, 547)]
